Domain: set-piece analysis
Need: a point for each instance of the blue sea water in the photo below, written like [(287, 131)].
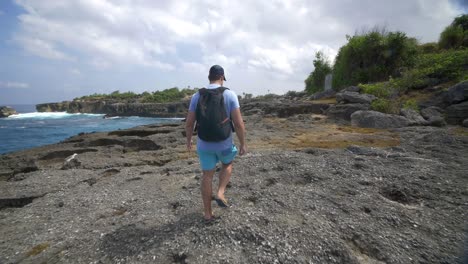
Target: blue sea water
[(32, 129)]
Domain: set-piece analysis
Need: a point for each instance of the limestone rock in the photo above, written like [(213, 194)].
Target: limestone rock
[(374, 119), (413, 117), (456, 113), (71, 162), (6, 111), (465, 122), (320, 95), (355, 89), (434, 116), (354, 97), (344, 111), (457, 93)]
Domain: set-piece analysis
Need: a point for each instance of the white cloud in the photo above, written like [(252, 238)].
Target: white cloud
[(270, 38), (75, 71), (19, 85)]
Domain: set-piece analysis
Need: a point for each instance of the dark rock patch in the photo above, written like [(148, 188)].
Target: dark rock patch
[(401, 195), (134, 179), (62, 154), (16, 202), (139, 133), (91, 181), (110, 172), (141, 144)]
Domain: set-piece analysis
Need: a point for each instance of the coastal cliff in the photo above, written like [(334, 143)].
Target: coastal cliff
[(116, 108)]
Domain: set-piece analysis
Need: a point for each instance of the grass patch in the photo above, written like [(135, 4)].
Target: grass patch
[(38, 249), (325, 101), (460, 131)]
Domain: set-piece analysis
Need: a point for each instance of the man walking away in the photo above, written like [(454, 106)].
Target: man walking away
[(215, 108)]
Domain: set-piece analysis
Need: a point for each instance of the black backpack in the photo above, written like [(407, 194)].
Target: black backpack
[(213, 124)]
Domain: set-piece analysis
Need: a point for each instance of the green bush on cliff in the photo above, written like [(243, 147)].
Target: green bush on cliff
[(316, 80), (380, 89), (455, 35), (386, 106), (168, 95), (373, 57)]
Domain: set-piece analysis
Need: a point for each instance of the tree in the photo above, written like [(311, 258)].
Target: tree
[(316, 80), (373, 56), (455, 35)]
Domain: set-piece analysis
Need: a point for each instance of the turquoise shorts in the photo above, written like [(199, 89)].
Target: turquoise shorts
[(209, 159)]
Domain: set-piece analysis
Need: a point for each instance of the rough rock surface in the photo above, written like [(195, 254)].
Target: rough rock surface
[(354, 97), (6, 111), (374, 119), (324, 94), (344, 111), (434, 116), (456, 113), (457, 93), (309, 191), (465, 122), (355, 89), (414, 118)]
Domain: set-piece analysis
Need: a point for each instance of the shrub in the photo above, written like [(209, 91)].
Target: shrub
[(430, 47), (380, 89), (386, 106), (316, 80), (455, 35), (373, 57), (411, 104)]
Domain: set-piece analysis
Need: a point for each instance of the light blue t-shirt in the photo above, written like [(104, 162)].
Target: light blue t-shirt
[(230, 102)]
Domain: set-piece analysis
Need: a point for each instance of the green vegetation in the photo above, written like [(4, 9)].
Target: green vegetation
[(386, 106), (373, 56), (393, 67), (168, 95), (411, 104), (316, 80), (455, 36)]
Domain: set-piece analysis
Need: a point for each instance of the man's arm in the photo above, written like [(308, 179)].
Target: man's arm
[(189, 123), (240, 129)]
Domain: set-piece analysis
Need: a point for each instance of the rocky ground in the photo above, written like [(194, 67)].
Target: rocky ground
[(309, 191)]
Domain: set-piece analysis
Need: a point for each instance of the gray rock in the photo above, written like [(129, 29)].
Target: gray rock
[(413, 117), (344, 111), (432, 111), (320, 95), (465, 122), (354, 97), (6, 111), (71, 162), (374, 119), (457, 93), (434, 116), (356, 89), (456, 113)]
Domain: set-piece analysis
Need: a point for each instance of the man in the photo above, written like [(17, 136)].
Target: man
[(214, 148)]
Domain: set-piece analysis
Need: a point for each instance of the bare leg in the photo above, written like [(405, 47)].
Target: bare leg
[(206, 190), (224, 177)]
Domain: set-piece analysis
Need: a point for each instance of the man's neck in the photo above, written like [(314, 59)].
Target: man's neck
[(217, 82)]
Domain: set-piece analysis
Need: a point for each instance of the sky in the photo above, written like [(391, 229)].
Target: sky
[(53, 50)]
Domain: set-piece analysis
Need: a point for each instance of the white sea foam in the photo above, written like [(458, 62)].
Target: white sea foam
[(48, 115)]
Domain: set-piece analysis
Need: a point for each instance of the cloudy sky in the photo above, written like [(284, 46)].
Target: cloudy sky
[(56, 50)]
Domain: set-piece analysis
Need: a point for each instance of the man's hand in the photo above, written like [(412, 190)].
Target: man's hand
[(242, 150), (189, 123), (189, 145)]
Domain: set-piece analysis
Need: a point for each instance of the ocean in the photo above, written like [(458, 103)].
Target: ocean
[(31, 129)]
